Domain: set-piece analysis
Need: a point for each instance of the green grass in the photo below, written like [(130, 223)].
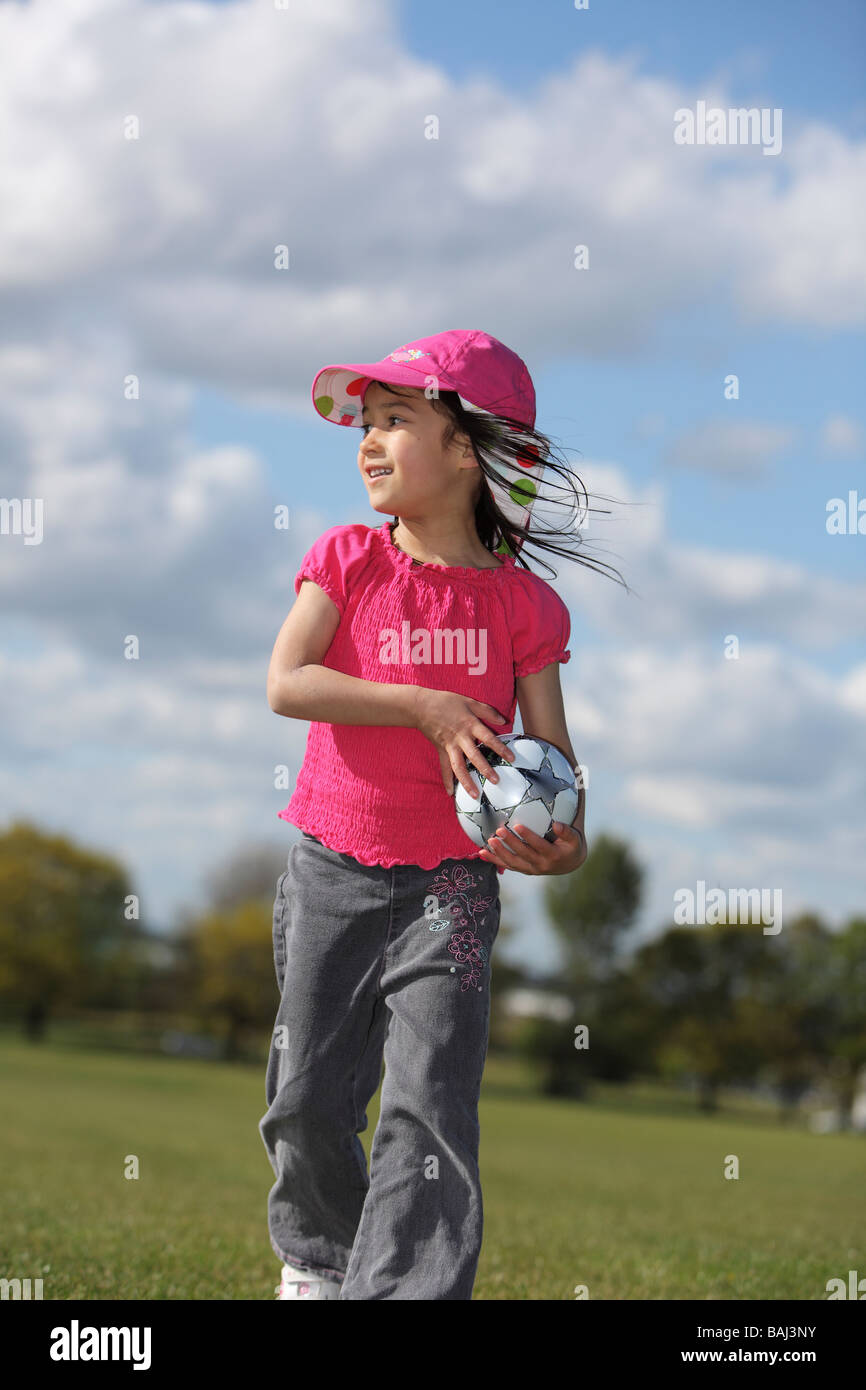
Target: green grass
[(631, 1203)]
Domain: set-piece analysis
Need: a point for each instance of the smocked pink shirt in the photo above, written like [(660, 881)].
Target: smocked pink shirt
[(376, 791)]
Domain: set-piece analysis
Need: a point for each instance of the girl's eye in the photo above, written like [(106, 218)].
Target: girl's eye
[(364, 428)]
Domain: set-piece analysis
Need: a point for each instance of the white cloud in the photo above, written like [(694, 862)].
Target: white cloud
[(853, 690), (842, 435), (694, 593), (740, 449), (808, 262), (705, 742), (294, 137)]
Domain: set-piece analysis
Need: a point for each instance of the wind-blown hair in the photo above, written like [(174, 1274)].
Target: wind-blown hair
[(498, 442)]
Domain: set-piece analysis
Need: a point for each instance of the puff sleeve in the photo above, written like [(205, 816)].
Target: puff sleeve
[(541, 625), (333, 561)]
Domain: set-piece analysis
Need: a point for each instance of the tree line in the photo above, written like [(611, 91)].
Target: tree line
[(723, 1004)]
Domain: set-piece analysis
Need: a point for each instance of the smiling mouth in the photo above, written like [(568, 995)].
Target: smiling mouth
[(375, 477)]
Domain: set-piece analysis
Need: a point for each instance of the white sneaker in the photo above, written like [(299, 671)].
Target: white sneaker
[(297, 1283)]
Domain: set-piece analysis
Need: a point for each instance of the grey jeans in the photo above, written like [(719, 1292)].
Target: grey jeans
[(374, 965)]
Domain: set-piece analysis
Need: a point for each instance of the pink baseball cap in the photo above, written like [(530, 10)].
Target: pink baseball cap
[(488, 377)]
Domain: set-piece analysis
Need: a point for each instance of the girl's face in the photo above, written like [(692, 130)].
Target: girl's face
[(404, 433)]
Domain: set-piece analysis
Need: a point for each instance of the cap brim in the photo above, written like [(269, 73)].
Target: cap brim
[(338, 391)]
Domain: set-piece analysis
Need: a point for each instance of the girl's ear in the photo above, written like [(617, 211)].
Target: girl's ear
[(462, 441)]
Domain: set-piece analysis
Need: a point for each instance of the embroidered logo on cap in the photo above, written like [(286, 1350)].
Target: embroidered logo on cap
[(407, 354)]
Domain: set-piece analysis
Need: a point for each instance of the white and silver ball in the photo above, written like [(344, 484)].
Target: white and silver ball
[(535, 790)]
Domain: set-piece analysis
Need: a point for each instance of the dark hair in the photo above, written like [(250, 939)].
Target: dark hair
[(493, 443)]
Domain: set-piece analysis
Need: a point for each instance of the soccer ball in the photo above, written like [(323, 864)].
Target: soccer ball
[(535, 790)]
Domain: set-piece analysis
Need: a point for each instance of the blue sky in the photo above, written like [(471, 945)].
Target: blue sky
[(810, 61), (789, 53), (556, 128)]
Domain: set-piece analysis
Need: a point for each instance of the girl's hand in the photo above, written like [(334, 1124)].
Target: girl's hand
[(528, 853), (453, 723)]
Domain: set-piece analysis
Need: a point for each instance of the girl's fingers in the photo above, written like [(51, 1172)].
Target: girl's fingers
[(480, 763), (462, 775), (497, 745), (461, 772)]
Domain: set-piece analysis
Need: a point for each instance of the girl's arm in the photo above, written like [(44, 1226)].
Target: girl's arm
[(300, 687), (543, 715)]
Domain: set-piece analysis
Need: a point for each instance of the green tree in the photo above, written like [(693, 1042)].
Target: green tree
[(64, 936), (709, 992), (848, 985), (592, 913), (797, 1010), (231, 963)]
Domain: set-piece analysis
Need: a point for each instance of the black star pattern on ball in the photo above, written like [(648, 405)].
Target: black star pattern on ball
[(542, 784)]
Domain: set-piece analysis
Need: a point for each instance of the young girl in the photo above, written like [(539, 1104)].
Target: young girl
[(409, 645)]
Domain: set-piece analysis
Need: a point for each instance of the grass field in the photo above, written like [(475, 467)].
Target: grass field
[(608, 1193)]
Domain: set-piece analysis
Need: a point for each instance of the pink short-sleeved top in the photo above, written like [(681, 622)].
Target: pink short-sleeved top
[(376, 791)]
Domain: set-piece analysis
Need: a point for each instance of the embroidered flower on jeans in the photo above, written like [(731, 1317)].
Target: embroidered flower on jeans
[(454, 884), (465, 946), (461, 909)]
